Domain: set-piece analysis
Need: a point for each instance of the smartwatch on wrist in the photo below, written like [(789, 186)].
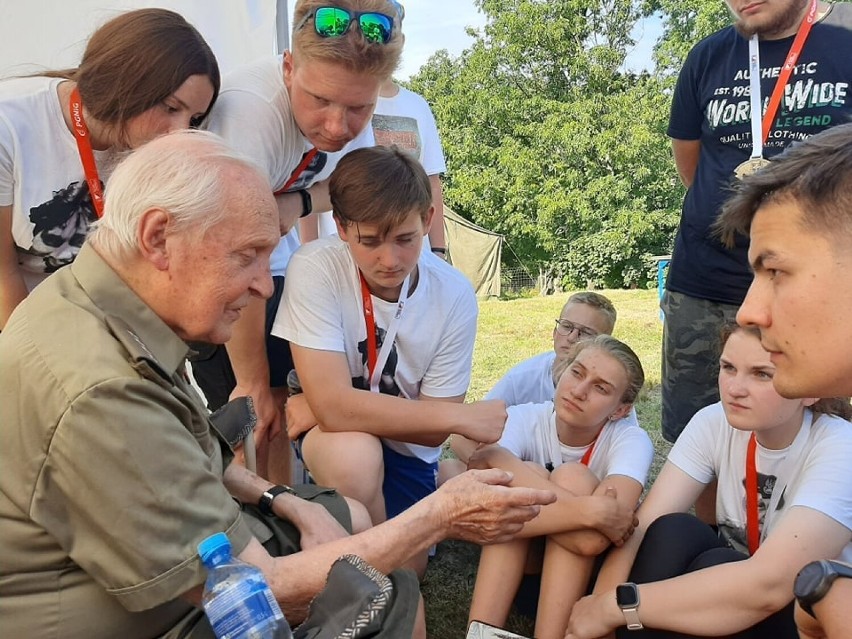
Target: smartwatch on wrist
[(814, 581), (307, 202), (264, 505), (627, 597)]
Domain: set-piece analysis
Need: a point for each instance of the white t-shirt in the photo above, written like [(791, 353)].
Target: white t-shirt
[(407, 121), (622, 447), (321, 308), (42, 178), (530, 382), (254, 116), (710, 448)]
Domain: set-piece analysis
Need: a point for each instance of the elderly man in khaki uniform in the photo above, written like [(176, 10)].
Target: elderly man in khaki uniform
[(111, 472)]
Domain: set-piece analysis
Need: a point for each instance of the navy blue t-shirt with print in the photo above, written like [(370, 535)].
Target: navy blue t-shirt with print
[(711, 104)]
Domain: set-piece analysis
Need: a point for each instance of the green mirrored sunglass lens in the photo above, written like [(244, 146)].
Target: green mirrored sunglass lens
[(331, 22), (375, 28)]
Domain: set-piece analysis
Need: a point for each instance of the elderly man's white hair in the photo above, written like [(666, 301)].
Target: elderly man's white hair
[(184, 173)]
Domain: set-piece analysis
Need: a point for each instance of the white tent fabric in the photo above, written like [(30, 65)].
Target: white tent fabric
[(39, 34)]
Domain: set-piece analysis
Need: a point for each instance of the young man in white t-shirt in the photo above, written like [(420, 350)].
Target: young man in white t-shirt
[(295, 115), (381, 413)]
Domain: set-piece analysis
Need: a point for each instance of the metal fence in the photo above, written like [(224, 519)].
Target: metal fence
[(515, 280)]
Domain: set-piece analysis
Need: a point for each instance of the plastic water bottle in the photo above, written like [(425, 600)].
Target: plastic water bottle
[(237, 599)]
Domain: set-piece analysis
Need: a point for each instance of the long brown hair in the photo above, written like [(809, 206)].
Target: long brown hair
[(837, 406), (137, 60)]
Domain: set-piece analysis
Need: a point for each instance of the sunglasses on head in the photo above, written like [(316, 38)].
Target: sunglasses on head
[(334, 22), (400, 10)]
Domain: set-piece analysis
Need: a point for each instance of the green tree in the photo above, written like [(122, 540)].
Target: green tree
[(551, 143), (685, 23)]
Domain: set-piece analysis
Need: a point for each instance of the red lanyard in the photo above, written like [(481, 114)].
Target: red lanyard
[(298, 171), (588, 455), (87, 156), (370, 321), (787, 69), (752, 523)]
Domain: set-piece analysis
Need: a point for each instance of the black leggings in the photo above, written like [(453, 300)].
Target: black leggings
[(678, 543)]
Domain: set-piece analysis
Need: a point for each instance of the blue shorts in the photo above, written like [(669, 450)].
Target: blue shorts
[(407, 480)]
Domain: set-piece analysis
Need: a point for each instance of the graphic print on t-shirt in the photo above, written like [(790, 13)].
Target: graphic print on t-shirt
[(734, 532), (403, 131), (306, 177), (810, 104), (61, 225), (387, 383)]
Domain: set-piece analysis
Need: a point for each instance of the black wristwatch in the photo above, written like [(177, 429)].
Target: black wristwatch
[(627, 597), (264, 505), (814, 580), (307, 202)]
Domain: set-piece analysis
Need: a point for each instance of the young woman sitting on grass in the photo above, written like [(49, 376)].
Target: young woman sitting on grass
[(784, 499), (583, 447)]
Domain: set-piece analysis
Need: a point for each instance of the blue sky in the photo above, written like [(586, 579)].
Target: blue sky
[(431, 25)]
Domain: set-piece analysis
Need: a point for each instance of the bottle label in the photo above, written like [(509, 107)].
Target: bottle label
[(239, 608)]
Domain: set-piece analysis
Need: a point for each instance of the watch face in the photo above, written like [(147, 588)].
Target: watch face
[(809, 578), (627, 595)]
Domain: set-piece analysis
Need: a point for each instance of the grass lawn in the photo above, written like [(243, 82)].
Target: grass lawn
[(511, 331)]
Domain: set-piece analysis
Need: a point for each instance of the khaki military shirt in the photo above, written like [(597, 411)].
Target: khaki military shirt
[(109, 472)]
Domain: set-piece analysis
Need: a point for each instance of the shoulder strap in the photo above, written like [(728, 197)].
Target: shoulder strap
[(139, 355)]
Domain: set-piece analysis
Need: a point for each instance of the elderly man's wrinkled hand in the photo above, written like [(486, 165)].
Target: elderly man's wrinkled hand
[(478, 506)]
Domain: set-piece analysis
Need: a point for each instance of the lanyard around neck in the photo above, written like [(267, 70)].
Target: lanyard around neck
[(782, 476), (752, 523), (376, 362), (760, 132), (587, 457), (87, 155), (309, 156)]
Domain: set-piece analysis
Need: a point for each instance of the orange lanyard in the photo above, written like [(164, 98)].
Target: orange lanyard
[(87, 156), (309, 156), (378, 360), (752, 523), (370, 321), (787, 69), (587, 457)]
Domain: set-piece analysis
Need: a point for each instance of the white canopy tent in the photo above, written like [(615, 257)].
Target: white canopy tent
[(41, 34)]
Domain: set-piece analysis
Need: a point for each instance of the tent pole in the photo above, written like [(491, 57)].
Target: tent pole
[(282, 25)]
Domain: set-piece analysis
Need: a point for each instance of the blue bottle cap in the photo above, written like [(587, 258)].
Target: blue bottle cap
[(213, 544)]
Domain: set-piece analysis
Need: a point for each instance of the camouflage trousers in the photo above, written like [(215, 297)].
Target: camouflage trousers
[(690, 363)]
